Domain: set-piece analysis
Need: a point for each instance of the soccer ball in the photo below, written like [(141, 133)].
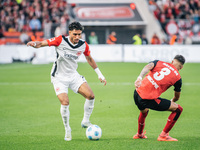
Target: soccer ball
[(93, 132)]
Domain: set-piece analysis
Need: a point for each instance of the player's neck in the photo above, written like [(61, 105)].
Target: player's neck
[(71, 42)]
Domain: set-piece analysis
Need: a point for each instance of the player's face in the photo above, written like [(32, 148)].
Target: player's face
[(177, 64), (75, 36)]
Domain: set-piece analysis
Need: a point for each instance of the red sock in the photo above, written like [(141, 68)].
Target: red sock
[(173, 117), (141, 122)]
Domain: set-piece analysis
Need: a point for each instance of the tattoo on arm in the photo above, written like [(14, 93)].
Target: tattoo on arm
[(146, 69)]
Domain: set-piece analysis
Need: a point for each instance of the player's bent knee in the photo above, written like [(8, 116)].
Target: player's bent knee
[(180, 108), (64, 103), (173, 107), (91, 96)]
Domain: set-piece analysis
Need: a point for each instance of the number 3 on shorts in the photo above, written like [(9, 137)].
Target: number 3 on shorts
[(160, 75)]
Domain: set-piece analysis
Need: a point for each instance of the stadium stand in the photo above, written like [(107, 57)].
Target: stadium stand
[(16, 17), (181, 15)]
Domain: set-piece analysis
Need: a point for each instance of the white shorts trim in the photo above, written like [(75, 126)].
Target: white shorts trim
[(62, 83)]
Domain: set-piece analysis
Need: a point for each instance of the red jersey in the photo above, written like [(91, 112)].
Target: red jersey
[(158, 80)]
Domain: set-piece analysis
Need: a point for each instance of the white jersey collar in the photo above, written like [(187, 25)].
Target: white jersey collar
[(71, 42)]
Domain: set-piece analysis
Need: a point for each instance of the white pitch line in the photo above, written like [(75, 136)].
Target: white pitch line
[(197, 83), (25, 83), (90, 83)]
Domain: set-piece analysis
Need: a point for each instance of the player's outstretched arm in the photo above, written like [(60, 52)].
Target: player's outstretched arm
[(144, 71), (37, 44), (93, 64)]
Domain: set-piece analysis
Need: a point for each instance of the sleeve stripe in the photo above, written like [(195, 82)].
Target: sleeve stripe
[(87, 50), (55, 41)]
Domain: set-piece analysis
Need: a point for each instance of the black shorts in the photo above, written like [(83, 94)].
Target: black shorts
[(159, 104)]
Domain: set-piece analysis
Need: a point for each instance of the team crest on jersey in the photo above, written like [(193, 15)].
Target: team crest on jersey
[(79, 53), (57, 89)]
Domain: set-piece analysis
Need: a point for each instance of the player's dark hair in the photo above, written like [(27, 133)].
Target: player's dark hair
[(75, 25), (180, 58)]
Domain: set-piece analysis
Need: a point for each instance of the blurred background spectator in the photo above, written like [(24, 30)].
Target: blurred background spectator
[(144, 40), (24, 37), (164, 41), (155, 39), (112, 38), (137, 40), (93, 39), (173, 40), (2, 38), (1, 33), (188, 40), (47, 24), (35, 24), (36, 37)]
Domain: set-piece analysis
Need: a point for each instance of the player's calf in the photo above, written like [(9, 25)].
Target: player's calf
[(173, 117)]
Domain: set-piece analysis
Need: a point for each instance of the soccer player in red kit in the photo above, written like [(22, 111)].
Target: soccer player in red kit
[(64, 73), (161, 75)]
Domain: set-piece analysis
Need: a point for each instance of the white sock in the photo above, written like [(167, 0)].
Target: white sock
[(64, 111), (88, 108)]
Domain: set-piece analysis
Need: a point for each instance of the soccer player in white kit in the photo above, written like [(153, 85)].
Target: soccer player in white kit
[(64, 73)]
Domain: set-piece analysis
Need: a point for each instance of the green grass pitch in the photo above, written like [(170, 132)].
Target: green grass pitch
[(30, 111)]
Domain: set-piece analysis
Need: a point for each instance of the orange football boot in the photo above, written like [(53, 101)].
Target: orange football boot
[(166, 138), (140, 136)]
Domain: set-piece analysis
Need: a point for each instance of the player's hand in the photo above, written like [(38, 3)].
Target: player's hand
[(100, 76), (31, 43), (138, 83), (103, 81)]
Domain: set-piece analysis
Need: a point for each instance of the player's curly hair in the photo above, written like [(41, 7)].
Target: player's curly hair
[(180, 58), (75, 25)]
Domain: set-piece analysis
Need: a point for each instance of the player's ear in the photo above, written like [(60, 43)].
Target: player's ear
[(181, 67)]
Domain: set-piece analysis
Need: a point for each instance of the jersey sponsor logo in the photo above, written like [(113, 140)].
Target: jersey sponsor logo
[(70, 56), (152, 82)]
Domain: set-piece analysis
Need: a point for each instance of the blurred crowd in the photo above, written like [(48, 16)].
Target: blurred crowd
[(183, 14), (34, 15), (176, 9), (52, 18)]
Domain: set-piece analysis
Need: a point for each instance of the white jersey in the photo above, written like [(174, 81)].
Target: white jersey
[(67, 55)]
